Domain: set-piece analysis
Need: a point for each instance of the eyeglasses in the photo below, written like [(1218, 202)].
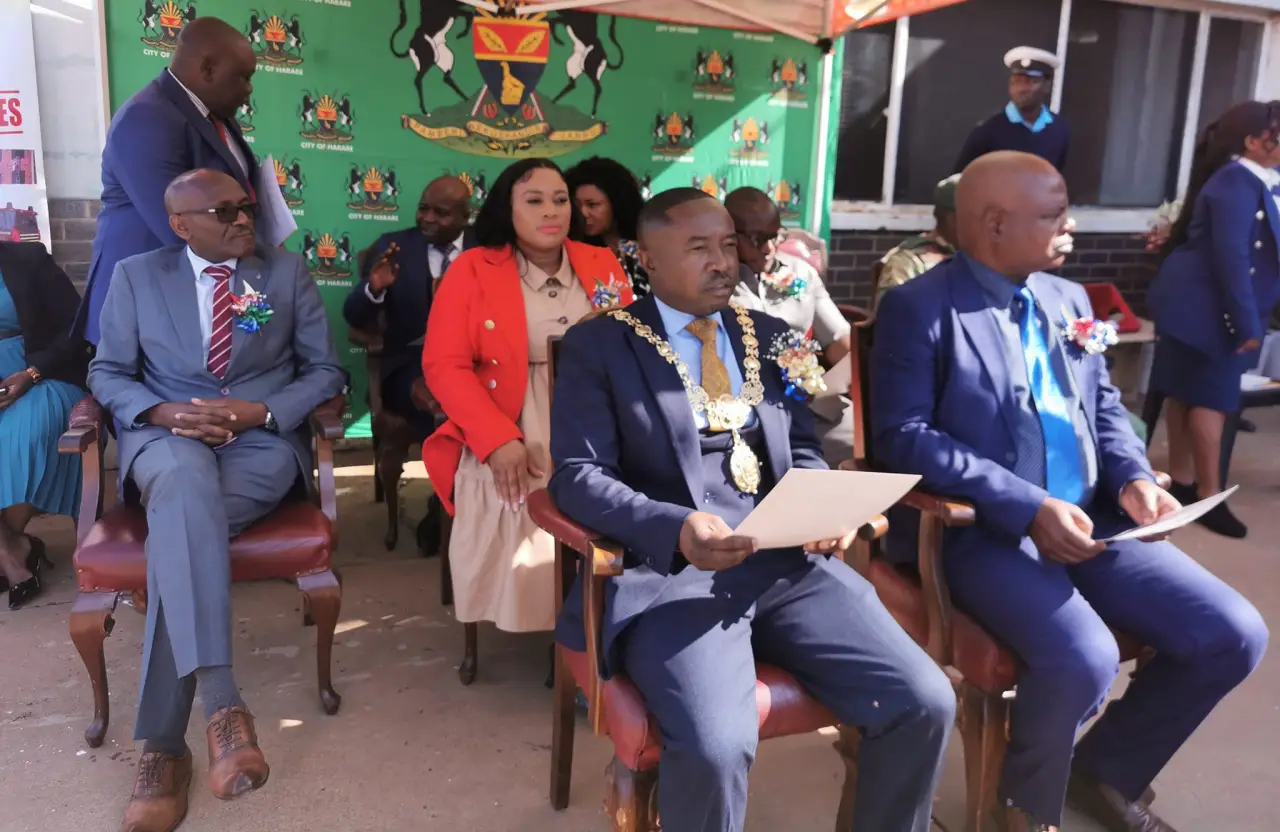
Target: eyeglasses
[(227, 214)]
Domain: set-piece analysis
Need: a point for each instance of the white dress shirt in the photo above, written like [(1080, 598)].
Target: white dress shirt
[(436, 257), (204, 111), (1269, 176), (205, 286)]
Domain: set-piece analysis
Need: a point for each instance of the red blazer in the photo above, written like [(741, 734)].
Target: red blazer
[(476, 355)]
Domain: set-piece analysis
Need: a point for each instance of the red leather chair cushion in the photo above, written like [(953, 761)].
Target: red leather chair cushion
[(785, 709), (296, 539), (983, 661)]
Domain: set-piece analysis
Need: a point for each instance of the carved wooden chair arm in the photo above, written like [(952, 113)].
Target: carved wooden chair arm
[(327, 427), (950, 512), (83, 437), (602, 554)]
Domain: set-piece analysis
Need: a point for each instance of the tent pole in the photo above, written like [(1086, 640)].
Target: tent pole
[(818, 188)]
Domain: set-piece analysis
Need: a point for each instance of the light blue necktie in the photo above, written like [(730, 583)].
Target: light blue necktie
[(1062, 475)]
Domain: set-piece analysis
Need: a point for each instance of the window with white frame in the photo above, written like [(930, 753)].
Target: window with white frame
[(1139, 82)]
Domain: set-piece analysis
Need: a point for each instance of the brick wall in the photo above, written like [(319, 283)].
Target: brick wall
[(72, 224), (1114, 258)]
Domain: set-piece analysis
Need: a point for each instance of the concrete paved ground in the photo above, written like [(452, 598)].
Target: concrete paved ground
[(412, 749)]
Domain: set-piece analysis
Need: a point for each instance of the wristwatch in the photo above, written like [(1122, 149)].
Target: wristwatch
[(271, 425)]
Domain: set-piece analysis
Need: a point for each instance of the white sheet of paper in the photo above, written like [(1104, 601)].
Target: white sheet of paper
[(838, 379), (808, 505), (1176, 519), (1251, 381), (278, 222)]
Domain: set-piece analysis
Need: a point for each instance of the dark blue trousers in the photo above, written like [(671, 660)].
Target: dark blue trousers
[(692, 656), (1207, 638)]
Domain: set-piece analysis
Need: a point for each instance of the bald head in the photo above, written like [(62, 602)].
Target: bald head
[(758, 223), (215, 61), (212, 213), (1011, 213), (444, 210)]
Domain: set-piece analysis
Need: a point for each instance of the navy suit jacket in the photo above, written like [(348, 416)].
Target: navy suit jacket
[(943, 405), (157, 135), (628, 462), (407, 303), (1216, 290)]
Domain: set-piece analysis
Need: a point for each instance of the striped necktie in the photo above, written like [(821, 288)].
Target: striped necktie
[(220, 333)]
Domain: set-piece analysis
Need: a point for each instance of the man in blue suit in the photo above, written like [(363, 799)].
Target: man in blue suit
[(398, 283), (977, 388), (182, 121), (658, 465)]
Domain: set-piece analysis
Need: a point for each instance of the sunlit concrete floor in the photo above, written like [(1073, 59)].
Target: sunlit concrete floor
[(412, 749)]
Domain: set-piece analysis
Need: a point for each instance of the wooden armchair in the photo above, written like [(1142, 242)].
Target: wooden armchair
[(295, 542), (616, 708), (392, 436), (983, 670)]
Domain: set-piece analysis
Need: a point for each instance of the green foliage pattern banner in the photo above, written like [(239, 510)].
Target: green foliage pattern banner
[(362, 102)]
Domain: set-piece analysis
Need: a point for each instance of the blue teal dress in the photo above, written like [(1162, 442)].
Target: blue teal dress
[(31, 469)]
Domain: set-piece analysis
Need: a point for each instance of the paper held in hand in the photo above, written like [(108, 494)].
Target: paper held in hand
[(1175, 519), (808, 505), (277, 223)]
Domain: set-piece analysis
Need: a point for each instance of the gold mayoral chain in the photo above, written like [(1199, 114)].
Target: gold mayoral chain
[(726, 412)]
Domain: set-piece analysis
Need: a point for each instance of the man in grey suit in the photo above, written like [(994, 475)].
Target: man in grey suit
[(210, 402)]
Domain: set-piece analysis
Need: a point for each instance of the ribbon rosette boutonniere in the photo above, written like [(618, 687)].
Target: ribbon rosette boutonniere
[(607, 294), (785, 281), (797, 356), (1089, 336), (251, 310)]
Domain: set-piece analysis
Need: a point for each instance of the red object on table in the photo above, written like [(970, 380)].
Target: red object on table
[(1109, 305)]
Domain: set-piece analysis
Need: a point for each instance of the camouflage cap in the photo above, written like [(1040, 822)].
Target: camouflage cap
[(944, 195)]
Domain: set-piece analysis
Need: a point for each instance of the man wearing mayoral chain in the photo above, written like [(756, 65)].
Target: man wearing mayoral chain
[(671, 420)]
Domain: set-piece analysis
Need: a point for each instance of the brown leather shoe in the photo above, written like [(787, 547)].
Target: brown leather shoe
[(1013, 819), (236, 763), (1106, 806), (159, 801)]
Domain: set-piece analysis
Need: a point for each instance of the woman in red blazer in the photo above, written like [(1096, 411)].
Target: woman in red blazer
[(485, 361)]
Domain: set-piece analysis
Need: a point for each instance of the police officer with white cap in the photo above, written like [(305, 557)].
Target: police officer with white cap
[(1026, 123)]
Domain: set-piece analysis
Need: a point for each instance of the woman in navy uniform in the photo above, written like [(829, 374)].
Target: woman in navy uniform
[(1216, 287), (1026, 123)]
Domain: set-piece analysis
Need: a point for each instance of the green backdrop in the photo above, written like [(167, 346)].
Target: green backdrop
[(336, 104)]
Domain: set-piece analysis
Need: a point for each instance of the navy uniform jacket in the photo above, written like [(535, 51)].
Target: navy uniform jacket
[(999, 133), (157, 135), (628, 463), (943, 405), (407, 303), (1216, 290)]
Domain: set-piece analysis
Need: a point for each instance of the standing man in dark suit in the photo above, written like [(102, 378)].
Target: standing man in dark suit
[(1026, 123), (399, 282), (978, 389), (656, 463), (181, 121)]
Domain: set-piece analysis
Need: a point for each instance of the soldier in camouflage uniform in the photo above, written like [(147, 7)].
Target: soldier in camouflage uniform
[(916, 255)]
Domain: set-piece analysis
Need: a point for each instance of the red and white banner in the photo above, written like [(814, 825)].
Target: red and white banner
[(24, 208)]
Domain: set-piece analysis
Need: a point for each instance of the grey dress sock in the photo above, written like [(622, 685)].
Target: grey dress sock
[(217, 687), (173, 746)]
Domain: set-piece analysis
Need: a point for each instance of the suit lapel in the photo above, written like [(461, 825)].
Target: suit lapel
[(178, 287), (974, 312), (669, 392), (175, 93), (773, 418), (249, 272)]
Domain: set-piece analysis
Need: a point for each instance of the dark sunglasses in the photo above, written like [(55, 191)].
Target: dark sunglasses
[(228, 214)]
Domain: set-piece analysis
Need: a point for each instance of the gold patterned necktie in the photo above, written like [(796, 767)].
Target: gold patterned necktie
[(715, 376)]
